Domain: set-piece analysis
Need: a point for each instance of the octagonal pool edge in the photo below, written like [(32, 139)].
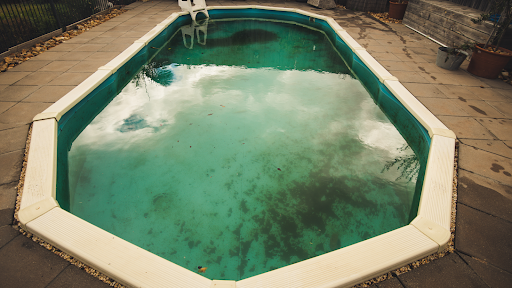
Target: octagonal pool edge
[(130, 265)]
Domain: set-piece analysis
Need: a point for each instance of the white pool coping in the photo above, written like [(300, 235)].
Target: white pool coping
[(132, 266)]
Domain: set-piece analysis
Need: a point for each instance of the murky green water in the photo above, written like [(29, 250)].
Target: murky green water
[(251, 152)]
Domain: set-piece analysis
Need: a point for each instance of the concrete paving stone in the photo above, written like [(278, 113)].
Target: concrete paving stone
[(484, 236), (59, 66), (391, 43), (7, 216), (38, 78), (495, 83), (396, 50), (101, 40), (68, 78), (478, 108), (74, 277), (466, 79), (8, 196), (441, 78), (134, 22), (449, 271), (48, 55), (76, 55), (66, 47), (485, 195), (34, 266), (363, 42), (49, 94), (157, 18), (380, 36), (441, 107), (30, 65), (5, 105), (21, 114), (390, 283), (79, 40), (384, 56), (502, 128), (466, 127), (456, 91), (10, 169), (397, 66), (13, 139), (407, 56), (101, 28), (169, 10), (424, 90), (413, 43), (493, 146), (151, 11), (110, 23), (10, 77), (489, 94), (116, 47), (121, 18), (485, 163), (492, 276), (429, 58), (3, 86), (143, 28), (89, 47), (122, 29), (134, 34), (7, 233), (378, 49), (410, 77), (505, 108), (424, 51), (89, 35), (102, 56), (505, 92), (128, 40), (110, 34), (16, 93), (432, 68), (88, 66)]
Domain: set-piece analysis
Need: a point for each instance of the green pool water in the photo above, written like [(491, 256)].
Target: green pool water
[(253, 151)]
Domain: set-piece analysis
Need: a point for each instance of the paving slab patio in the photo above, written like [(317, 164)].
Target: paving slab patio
[(478, 110), (491, 275), (449, 271), (474, 231)]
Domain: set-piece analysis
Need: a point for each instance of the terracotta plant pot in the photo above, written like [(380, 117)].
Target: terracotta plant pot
[(488, 64), (397, 10)]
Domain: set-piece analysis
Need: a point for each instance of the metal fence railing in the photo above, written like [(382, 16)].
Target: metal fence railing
[(24, 20)]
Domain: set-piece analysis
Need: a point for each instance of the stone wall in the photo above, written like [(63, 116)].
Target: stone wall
[(446, 22)]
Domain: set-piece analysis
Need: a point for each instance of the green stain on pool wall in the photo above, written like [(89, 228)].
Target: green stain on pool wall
[(241, 166)]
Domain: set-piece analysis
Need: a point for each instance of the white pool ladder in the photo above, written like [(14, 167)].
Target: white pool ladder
[(199, 6)]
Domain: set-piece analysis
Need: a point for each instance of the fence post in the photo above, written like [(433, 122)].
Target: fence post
[(57, 16)]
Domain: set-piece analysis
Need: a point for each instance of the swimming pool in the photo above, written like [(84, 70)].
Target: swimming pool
[(436, 187)]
